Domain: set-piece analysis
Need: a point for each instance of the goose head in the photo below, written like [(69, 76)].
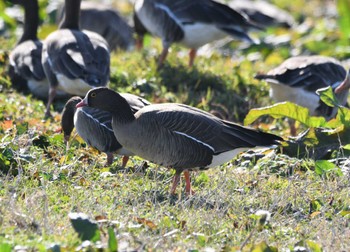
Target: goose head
[(67, 122), (106, 99)]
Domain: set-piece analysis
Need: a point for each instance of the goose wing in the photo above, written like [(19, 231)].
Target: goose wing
[(308, 72), (26, 60), (79, 55), (201, 127)]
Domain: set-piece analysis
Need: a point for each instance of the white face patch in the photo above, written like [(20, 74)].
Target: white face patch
[(198, 141)]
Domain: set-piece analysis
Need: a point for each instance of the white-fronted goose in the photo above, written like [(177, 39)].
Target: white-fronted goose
[(192, 23), (94, 126), (25, 58), (175, 135), (297, 79), (263, 13), (74, 61), (111, 25)]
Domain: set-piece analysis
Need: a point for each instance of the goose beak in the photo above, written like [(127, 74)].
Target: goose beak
[(81, 104), (345, 85)]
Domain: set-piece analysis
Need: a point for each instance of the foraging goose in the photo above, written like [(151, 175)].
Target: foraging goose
[(192, 23), (111, 25), (297, 79), (263, 13), (25, 59), (94, 125), (74, 61), (175, 135)]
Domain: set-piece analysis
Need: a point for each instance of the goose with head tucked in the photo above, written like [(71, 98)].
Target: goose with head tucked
[(94, 126), (175, 135), (298, 78), (192, 23), (111, 25), (26, 70), (264, 13), (74, 61)]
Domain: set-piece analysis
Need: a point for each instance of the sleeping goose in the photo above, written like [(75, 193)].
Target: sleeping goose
[(74, 61), (111, 25), (192, 23), (263, 13), (297, 79), (25, 58), (175, 135), (94, 126)]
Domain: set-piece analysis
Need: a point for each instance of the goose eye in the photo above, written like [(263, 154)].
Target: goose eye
[(93, 95)]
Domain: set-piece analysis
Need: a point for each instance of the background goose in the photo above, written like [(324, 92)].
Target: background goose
[(192, 23), (74, 61), (263, 13), (297, 79), (94, 126), (111, 25), (25, 69), (175, 135)]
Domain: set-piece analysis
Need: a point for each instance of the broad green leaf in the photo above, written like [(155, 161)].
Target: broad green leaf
[(324, 166), (327, 96), (343, 7), (286, 109), (313, 246), (342, 119), (86, 229), (5, 247), (263, 247), (112, 240)]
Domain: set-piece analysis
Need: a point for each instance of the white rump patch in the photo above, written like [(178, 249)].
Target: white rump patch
[(226, 156)]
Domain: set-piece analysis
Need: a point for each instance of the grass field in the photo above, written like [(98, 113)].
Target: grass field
[(260, 201)]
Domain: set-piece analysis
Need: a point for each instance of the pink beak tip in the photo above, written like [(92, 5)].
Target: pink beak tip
[(81, 104)]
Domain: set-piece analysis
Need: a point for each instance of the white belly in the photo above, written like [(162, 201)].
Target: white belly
[(199, 34), (299, 96), (40, 89), (74, 87)]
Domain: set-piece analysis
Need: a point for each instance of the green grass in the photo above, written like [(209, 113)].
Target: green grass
[(42, 180)]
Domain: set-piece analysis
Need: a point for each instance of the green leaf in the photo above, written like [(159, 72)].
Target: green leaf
[(324, 166), (86, 229), (316, 205), (327, 96), (263, 247), (313, 246), (343, 7), (5, 247), (112, 240), (286, 109)]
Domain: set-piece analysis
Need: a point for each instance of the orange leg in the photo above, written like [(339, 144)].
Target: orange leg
[(162, 57), (293, 130), (125, 161), (192, 54), (109, 158), (52, 94), (176, 180), (139, 42), (189, 190)]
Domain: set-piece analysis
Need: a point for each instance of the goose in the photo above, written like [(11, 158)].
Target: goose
[(94, 126), (175, 135), (111, 25), (263, 13), (74, 61), (298, 78), (192, 23), (26, 70)]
